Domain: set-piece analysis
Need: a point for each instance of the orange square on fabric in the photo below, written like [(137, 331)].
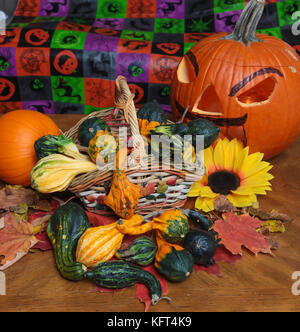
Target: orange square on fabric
[(141, 9), (33, 61), (134, 46), (162, 68), (99, 92)]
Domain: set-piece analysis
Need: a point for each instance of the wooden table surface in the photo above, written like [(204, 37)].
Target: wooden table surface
[(261, 283)]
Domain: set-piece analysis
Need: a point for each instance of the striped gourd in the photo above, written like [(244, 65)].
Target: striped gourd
[(65, 227), (100, 244), (141, 251), (120, 274)]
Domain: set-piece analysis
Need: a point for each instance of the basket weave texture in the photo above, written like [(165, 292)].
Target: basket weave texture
[(169, 187)]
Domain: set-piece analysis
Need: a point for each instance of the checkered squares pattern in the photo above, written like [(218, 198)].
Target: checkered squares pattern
[(62, 56)]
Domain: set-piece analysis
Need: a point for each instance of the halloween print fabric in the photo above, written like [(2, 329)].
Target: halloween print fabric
[(62, 56)]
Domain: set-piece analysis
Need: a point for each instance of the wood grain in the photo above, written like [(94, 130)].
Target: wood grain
[(261, 283)]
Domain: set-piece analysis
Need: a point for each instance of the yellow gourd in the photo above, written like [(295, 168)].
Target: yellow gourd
[(100, 244)]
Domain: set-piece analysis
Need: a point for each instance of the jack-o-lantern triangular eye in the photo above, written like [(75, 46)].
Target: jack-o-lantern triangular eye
[(260, 93), (187, 68)]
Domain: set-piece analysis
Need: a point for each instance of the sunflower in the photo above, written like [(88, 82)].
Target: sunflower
[(233, 172)]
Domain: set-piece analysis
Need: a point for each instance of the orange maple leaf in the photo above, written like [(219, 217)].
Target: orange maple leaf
[(16, 238), (236, 231)]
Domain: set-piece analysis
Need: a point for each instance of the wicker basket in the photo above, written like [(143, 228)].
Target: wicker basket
[(93, 187)]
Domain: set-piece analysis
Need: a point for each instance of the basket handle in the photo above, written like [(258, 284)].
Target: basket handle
[(124, 101)]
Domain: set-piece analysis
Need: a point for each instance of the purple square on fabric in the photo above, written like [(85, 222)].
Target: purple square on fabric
[(43, 106), (8, 61), (58, 8), (96, 42), (135, 67), (170, 9), (225, 22), (110, 23)]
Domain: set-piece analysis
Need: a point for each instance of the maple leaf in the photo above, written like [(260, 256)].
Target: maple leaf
[(236, 231), (16, 238)]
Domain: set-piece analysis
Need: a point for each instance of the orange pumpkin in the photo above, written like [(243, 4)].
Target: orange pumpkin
[(247, 84), (18, 132)]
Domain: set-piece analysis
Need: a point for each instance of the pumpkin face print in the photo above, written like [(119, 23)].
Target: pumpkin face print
[(66, 62), (37, 37), (246, 84)]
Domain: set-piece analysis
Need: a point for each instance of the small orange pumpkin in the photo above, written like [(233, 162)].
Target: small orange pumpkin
[(247, 84), (18, 132)]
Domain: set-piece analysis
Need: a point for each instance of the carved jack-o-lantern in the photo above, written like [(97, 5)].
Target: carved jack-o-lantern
[(248, 84)]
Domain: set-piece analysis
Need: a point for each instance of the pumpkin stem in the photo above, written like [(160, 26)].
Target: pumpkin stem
[(246, 26)]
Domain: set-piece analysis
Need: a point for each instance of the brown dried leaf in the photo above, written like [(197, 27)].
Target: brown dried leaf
[(15, 240), (275, 215), (12, 196), (222, 204)]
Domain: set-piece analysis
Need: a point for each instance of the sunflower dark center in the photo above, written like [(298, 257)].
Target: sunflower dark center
[(223, 182)]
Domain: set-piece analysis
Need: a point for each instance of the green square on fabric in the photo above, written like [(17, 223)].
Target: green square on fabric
[(68, 89), (169, 25), (137, 35), (112, 9), (275, 32), (222, 6), (90, 109), (285, 10), (188, 46), (67, 39)]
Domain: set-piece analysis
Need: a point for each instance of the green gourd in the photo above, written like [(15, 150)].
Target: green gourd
[(88, 129), (141, 251), (173, 261), (64, 229), (120, 274)]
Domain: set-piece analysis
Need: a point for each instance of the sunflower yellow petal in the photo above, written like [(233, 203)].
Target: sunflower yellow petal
[(242, 201), (195, 189), (218, 154), (207, 192), (205, 204), (240, 159), (209, 160)]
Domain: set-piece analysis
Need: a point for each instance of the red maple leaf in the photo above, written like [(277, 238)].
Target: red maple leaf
[(236, 231)]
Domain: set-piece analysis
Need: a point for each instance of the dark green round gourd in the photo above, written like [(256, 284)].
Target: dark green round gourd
[(176, 266), (152, 111), (88, 129), (205, 128), (141, 251), (202, 245), (120, 274), (198, 219), (64, 229)]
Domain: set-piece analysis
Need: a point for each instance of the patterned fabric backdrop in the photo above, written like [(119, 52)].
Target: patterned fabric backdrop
[(62, 56)]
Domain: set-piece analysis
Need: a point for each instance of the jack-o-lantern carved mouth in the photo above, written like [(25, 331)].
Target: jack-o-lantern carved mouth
[(219, 121)]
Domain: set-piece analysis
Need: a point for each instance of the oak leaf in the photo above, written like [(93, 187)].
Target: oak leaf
[(236, 231), (16, 238)]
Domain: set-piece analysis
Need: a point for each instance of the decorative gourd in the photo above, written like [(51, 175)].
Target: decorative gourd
[(51, 144), (88, 129), (150, 116), (120, 274), (64, 228), (197, 218), (100, 244), (245, 83), (123, 196), (18, 132), (141, 251), (202, 245), (173, 226), (103, 147), (55, 172), (173, 261)]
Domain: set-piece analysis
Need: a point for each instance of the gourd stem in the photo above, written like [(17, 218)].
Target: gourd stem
[(246, 26)]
